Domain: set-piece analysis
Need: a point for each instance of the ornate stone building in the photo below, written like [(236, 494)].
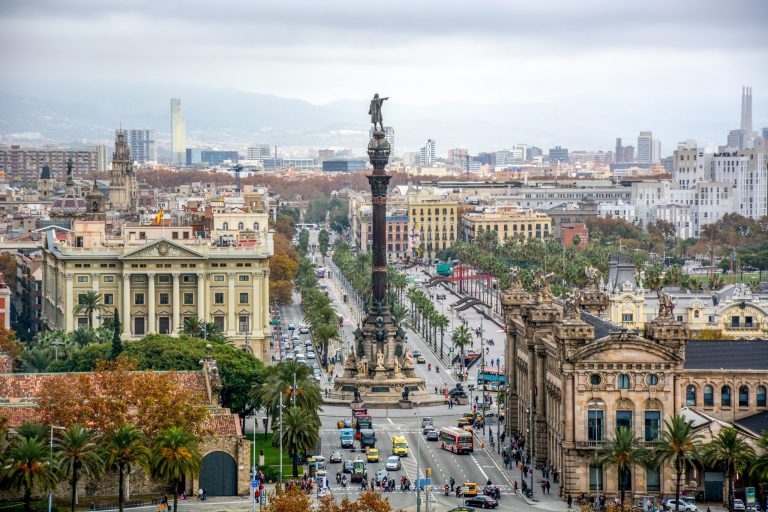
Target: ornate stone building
[(156, 276), (574, 379), (123, 186)]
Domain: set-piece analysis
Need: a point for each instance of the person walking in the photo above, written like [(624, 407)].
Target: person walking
[(569, 500)]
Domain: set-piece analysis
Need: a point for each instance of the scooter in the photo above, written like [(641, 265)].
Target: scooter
[(437, 369), (447, 490), (344, 481)]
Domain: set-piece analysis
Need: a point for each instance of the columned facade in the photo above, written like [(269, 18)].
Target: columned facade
[(156, 286)]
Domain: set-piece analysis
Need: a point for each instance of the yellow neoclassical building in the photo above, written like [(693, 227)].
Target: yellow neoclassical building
[(156, 276), (508, 223), (433, 222)]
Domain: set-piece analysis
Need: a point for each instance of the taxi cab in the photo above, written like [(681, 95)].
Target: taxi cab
[(470, 489), (464, 421), (344, 423), (469, 429), (421, 360), (373, 455)]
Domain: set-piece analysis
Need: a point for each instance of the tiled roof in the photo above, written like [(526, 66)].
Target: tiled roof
[(726, 355), (602, 327), (757, 423)]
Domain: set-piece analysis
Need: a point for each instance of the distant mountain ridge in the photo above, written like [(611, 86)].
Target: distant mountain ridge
[(229, 118)]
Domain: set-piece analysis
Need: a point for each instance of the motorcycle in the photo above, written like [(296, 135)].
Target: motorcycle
[(459, 492), (528, 492), (338, 477), (429, 367), (437, 369), (344, 481), (447, 489)]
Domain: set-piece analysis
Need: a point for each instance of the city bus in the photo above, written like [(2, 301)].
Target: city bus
[(456, 440), (494, 378)]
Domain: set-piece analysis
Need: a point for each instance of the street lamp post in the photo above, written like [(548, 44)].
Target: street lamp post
[(281, 438), (50, 493), (418, 463)]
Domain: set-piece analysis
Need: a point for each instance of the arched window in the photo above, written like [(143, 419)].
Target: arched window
[(690, 395), (743, 396), (622, 381), (225, 226), (709, 396), (725, 396), (760, 396), (255, 226), (695, 313), (240, 226)]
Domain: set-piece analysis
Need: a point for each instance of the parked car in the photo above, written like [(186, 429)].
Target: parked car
[(482, 502), (738, 505), (684, 505), (393, 463)]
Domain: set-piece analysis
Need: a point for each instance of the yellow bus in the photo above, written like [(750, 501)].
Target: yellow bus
[(399, 446)]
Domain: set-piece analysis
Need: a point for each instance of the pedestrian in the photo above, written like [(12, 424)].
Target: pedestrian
[(200, 494), (570, 500), (491, 363), (548, 486)]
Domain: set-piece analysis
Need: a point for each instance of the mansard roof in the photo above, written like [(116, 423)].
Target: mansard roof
[(602, 327), (726, 355)]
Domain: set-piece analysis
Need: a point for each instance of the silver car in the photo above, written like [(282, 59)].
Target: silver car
[(393, 463)]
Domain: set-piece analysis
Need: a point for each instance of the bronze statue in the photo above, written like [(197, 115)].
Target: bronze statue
[(375, 111), (357, 394), (405, 394)]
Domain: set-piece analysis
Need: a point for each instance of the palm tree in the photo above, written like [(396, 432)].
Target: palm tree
[(125, 448), (461, 338), (677, 445), (760, 467), (399, 312), (36, 359), (300, 433), (87, 303), (77, 450), (623, 452), (441, 322), (176, 457), (83, 336), (33, 430), (28, 469), (730, 452), (193, 326)]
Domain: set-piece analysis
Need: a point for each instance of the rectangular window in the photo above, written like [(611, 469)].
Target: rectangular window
[(652, 421), (138, 326), (164, 325), (734, 321), (626, 317), (595, 425), (243, 298), (653, 480), (218, 298), (108, 279), (624, 420), (242, 323), (219, 278), (748, 322), (188, 278), (595, 478), (138, 299), (139, 278), (189, 298), (219, 321), (243, 277), (165, 299), (82, 279), (109, 299), (163, 278), (82, 321)]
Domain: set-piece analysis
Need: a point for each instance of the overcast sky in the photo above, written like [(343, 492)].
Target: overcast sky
[(417, 51)]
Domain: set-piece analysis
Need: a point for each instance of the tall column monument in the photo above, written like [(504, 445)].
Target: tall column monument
[(379, 370)]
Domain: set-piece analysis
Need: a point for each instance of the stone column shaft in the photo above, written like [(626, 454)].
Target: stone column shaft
[(541, 410), (176, 327), (69, 302), (231, 320), (201, 298), (265, 303), (126, 305), (95, 314), (151, 303), (256, 328)]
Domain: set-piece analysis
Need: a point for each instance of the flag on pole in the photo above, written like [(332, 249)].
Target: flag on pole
[(159, 217)]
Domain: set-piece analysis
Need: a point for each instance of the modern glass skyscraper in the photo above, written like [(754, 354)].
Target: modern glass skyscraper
[(178, 133), (645, 147)]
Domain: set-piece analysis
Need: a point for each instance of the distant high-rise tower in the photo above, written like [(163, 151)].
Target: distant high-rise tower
[(178, 133), (645, 148), (746, 109), (618, 154), (123, 187), (142, 145), (427, 155)]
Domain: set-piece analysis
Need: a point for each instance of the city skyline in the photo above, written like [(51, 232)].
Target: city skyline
[(614, 76)]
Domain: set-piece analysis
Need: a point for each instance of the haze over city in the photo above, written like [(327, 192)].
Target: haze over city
[(487, 74)]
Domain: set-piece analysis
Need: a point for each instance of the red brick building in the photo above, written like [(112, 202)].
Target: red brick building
[(569, 231)]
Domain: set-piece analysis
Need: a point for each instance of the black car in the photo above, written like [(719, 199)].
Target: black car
[(482, 502), (432, 435)]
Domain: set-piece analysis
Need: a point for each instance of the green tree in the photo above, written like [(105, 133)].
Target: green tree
[(193, 326), (323, 239), (301, 433), (175, 456), (760, 467), (36, 359), (117, 342), (441, 322), (679, 446), (28, 469), (303, 245), (461, 338), (730, 453), (77, 451), (623, 453), (33, 430), (125, 448), (87, 303)]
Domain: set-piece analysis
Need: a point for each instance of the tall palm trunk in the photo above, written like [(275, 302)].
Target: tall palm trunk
[(295, 465), (27, 499), (74, 486), (176, 495), (621, 488), (442, 338), (731, 490), (121, 487), (678, 476)]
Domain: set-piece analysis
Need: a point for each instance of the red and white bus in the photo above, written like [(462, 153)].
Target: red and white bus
[(456, 440)]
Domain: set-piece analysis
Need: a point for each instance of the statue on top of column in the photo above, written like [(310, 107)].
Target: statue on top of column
[(375, 111)]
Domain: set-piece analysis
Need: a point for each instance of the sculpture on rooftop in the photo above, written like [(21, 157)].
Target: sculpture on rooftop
[(541, 285), (592, 278), (571, 309), (666, 305), (375, 111), (515, 279)]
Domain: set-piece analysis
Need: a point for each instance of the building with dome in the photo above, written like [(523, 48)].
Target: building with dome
[(70, 205)]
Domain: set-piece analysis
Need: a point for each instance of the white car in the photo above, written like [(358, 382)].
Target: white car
[(685, 506), (291, 326), (393, 463), (300, 358), (310, 355)]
